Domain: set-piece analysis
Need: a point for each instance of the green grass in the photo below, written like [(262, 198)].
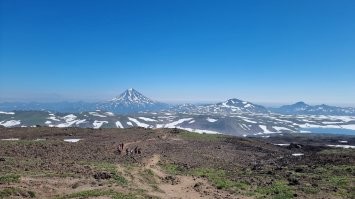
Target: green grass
[(148, 176), (111, 168), (173, 169), (7, 192), (97, 193), (11, 178), (219, 179), (197, 136), (278, 190)]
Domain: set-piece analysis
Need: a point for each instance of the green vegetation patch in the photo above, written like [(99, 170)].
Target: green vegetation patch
[(11, 178), (219, 179), (173, 169), (7, 192), (278, 190), (99, 192), (111, 168)]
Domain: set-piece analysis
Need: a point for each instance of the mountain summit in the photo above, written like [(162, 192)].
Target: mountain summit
[(132, 97), (131, 101)]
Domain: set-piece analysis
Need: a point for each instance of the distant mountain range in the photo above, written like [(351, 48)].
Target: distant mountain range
[(131, 101), (301, 108)]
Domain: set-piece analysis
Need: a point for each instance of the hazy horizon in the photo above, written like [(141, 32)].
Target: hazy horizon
[(54, 98)]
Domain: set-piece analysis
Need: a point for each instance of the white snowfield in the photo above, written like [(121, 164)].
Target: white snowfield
[(198, 130), (7, 113), (265, 130), (53, 117), (69, 118), (110, 114), (10, 123), (174, 124), (297, 154), (11, 139), (211, 120), (97, 124), (147, 119), (282, 144), (342, 146), (72, 140), (345, 126), (97, 114), (119, 125), (70, 122), (140, 124)]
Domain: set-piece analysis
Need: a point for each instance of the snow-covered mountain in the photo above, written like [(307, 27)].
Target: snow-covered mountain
[(131, 101), (305, 109), (231, 106)]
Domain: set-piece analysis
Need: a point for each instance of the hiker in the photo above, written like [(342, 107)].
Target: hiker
[(119, 150)]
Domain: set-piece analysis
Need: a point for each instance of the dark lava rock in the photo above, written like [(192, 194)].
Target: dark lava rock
[(102, 176), (2, 160), (171, 180), (295, 146), (198, 186), (293, 181)]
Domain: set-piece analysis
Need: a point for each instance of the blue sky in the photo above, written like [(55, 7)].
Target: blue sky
[(261, 51)]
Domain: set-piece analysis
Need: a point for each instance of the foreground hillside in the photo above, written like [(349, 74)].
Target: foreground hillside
[(169, 163)]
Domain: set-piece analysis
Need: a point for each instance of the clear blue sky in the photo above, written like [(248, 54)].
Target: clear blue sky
[(261, 51)]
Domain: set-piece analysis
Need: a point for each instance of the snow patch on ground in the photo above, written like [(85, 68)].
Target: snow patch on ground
[(97, 124), (10, 123), (282, 144), (69, 118), (72, 140), (7, 113), (279, 129), (199, 130), (52, 117), (97, 114), (298, 154), (119, 124), (109, 114), (10, 139), (174, 124), (140, 124), (130, 123), (342, 146), (211, 120), (265, 130), (147, 119), (158, 126)]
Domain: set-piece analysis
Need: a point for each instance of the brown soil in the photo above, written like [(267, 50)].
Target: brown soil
[(54, 168)]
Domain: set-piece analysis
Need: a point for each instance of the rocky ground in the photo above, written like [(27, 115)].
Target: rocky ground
[(172, 164)]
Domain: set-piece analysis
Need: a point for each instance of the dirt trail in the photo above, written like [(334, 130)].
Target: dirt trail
[(181, 186)]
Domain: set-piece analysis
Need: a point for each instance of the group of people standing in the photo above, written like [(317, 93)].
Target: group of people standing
[(129, 151)]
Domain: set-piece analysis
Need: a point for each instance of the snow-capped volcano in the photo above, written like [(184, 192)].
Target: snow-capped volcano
[(131, 101), (132, 97), (239, 106), (231, 106)]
